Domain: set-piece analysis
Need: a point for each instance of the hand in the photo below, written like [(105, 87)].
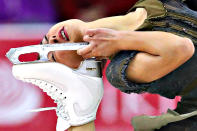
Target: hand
[(103, 43)]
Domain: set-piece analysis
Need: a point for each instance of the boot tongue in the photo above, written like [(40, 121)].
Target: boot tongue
[(62, 124)]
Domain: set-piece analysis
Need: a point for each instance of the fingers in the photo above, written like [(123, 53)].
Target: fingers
[(88, 55), (85, 50), (92, 32), (87, 38), (96, 34), (94, 37), (93, 53)]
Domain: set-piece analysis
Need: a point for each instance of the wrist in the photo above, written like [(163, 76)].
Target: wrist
[(118, 42), (126, 40)]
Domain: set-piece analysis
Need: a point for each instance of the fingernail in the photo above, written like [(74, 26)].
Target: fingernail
[(85, 37), (78, 52)]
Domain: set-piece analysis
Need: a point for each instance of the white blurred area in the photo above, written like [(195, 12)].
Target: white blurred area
[(17, 97)]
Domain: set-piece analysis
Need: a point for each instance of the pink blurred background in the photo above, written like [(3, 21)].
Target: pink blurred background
[(24, 23)]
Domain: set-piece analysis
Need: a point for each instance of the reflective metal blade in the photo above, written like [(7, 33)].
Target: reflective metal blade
[(43, 50)]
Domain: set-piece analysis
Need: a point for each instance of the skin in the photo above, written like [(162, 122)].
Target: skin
[(77, 29), (160, 52)]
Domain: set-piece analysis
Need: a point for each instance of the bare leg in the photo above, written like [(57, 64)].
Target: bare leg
[(87, 127)]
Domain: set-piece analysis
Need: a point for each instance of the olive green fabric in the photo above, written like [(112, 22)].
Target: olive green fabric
[(170, 16), (158, 13), (154, 9), (174, 17), (150, 123), (167, 16)]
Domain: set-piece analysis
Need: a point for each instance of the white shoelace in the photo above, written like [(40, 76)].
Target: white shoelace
[(56, 94)]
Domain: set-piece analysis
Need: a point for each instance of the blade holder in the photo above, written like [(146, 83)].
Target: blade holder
[(43, 50)]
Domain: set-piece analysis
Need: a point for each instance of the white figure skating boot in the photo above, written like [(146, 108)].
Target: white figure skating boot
[(77, 92)]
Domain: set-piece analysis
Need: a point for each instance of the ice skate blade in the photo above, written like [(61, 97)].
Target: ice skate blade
[(43, 50)]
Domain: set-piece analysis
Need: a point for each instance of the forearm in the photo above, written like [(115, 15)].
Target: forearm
[(160, 54), (155, 43)]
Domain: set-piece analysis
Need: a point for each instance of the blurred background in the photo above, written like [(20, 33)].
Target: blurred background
[(25, 22)]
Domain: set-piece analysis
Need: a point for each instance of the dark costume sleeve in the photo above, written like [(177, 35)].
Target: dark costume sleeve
[(116, 73), (168, 16)]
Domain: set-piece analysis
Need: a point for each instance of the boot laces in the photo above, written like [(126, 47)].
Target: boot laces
[(55, 93)]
